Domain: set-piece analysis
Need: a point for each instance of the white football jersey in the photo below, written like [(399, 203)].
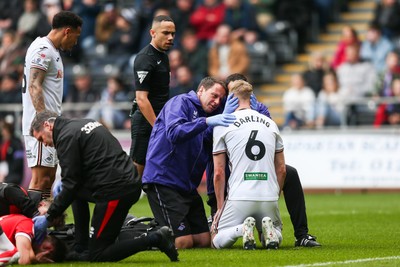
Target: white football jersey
[(42, 55), (250, 143)]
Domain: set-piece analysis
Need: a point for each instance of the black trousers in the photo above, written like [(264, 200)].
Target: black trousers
[(106, 223), (295, 203)]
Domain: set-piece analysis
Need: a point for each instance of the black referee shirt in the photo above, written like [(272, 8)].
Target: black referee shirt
[(152, 74)]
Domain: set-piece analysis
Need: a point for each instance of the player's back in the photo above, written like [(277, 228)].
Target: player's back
[(251, 143)]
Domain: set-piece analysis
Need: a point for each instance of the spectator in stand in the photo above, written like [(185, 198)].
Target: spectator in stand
[(32, 23), (298, 13), (106, 23), (181, 13), (185, 81), (147, 11), (386, 15), (206, 18), (385, 78), (324, 9), (356, 78), (88, 11), (81, 91), (194, 54), (227, 55), (50, 8), (175, 61), (329, 105), (111, 117), (317, 67), (264, 12), (10, 11), (11, 155), (241, 17), (349, 37), (393, 110), (298, 104), (389, 114), (124, 40), (12, 54), (375, 47), (10, 91)]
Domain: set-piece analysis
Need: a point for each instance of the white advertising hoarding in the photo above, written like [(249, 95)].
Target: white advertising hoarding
[(345, 160)]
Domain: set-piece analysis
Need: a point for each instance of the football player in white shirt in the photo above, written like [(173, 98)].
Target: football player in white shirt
[(43, 90), (255, 151)]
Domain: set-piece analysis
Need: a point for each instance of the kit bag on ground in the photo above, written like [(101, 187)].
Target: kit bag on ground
[(133, 227)]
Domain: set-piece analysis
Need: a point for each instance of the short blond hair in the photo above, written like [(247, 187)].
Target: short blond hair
[(241, 89)]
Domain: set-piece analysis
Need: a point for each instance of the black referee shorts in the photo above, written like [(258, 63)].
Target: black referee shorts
[(183, 213), (140, 135)]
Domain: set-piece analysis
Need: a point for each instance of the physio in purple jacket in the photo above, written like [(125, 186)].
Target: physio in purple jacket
[(179, 149)]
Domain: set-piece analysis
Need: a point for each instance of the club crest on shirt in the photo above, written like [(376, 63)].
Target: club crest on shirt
[(59, 74), (195, 114), (142, 75)]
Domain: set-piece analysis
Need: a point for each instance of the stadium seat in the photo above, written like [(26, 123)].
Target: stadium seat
[(262, 62)]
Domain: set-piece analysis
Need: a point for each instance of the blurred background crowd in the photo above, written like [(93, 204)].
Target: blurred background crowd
[(216, 38)]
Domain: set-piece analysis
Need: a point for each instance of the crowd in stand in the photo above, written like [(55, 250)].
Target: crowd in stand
[(213, 37), (335, 92)]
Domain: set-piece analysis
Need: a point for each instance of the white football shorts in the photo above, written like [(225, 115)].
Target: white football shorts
[(37, 154)]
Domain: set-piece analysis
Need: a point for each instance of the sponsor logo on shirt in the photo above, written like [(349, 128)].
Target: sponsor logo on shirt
[(142, 75), (88, 127), (59, 74)]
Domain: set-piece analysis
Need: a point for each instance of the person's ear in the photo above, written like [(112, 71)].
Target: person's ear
[(200, 91), (152, 33)]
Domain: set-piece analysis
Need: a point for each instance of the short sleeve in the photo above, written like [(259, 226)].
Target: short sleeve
[(219, 145), (41, 59), (25, 228), (143, 72)]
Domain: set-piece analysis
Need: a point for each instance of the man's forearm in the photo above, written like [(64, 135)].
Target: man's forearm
[(149, 114), (37, 98), (145, 108), (36, 90)]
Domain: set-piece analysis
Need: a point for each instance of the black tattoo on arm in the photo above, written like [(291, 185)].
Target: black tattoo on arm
[(36, 90)]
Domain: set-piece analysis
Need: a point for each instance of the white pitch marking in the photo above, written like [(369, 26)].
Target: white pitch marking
[(344, 262)]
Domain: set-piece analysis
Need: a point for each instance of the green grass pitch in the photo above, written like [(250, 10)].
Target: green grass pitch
[(354, 230)]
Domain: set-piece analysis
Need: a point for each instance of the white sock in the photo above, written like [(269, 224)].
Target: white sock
[(5, 243), (227, 237)]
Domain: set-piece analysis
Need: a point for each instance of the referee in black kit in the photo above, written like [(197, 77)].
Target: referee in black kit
[(152, 76)]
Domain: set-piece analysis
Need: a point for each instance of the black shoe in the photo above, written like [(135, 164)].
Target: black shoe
[(272, 245), (307, 241), (167, 244)]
